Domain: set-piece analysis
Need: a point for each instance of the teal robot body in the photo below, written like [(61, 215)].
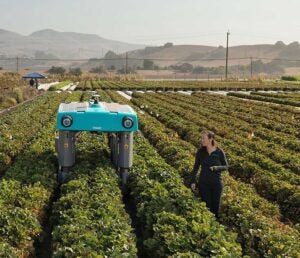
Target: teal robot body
[(119, 121), (98, 116)]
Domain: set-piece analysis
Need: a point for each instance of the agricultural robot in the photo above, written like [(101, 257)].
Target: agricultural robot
[(119, 121)]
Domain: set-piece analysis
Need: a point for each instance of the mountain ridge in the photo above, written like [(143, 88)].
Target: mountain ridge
[(59, 44), (51, 44)]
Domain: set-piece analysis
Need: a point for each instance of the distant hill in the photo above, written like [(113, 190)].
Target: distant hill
[(50, 43), (208, 56), (266, 58)]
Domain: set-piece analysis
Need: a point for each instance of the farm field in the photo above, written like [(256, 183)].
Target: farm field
[(13, 91), (161, 217), (292, 99), (187, 85)]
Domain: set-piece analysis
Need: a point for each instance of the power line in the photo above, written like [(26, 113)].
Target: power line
[(146, 58), (265, 36), (176, 36)]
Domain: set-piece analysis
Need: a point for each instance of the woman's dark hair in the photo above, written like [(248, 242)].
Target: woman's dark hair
[(210, 135)]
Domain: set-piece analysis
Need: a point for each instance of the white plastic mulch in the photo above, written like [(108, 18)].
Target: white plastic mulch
[(123, 94)]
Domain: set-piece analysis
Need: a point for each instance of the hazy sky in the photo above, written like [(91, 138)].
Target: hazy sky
[(154, 22)]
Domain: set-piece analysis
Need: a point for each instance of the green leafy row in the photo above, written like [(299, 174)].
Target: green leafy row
[(90, 219), (26, 189), (19, 127), (86, 85), (243, 211), (261, 112), (192, 85), (295, 103), (59, 86), (274, 123), (239, 130), (268, 183), (281, 95), (158, 190), (172, 220)]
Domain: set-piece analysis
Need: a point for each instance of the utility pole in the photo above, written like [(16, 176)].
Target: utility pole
[(126, 64), (17, 64), (226, 68), (251, 67)]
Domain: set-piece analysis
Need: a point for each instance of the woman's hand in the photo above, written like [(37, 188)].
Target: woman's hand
[(212, 168)]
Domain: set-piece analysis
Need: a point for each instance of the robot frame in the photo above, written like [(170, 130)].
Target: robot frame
[(119, 121)]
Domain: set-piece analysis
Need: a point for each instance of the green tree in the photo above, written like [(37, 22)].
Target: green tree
[(98, 69), (199, 69), (129, 70), (57, 70), (186, 67), (75, 71), (168, 44), (148, 64)]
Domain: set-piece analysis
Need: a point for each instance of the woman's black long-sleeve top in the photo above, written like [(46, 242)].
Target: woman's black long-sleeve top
[(215, 159)]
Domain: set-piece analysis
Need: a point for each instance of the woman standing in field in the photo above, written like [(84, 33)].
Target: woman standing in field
[(212, 160)]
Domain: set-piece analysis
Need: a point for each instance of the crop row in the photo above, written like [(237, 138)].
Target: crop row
[(87, 85), (230, 128), (32, 181), (277, 121), (243, 211), (74, 221), (270, 99), (90, 219), (59, 86), (26, 188), (274, 112), (245, 163), (171, 220), (282, 95), (192, 85), (19, 127), (158, 216), (180, 85), (243, 132)]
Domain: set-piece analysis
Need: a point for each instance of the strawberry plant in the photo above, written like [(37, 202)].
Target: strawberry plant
[(242, 212)]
